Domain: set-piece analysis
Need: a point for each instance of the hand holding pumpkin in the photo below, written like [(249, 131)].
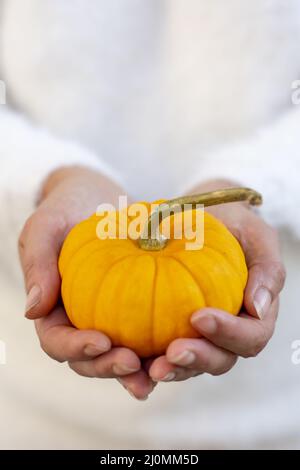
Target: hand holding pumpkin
[(156, 285), (226, 337), (70, 195)]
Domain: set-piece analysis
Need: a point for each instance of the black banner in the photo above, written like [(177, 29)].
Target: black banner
[(150, 458)]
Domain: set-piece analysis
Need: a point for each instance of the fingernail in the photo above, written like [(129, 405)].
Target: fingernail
[(262, 301), (185, 358), (96, 349), (122, 369), (130, 392), (168, 377), (33, 298), (135, 397), (206, 323)]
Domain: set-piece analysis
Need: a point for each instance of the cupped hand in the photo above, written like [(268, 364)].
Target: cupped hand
[(224, 337), (68, 196)]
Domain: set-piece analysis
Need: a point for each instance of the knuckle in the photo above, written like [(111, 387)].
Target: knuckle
[(22, 242), (226, 366), (48, 350), (279, 272), (56, 222), (100, 370), (28, 268), (204, 362), (74, 368), (256, 349), (26, 228), (45, 347), (253, 351), (258, 345), (72, 345), (28, 223), (232, 334), (196, 373), (61, 224)]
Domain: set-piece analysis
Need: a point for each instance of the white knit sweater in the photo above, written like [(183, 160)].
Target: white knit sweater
[(159, 95)]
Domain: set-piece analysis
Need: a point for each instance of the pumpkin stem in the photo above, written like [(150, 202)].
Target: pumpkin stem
[(159, 241)]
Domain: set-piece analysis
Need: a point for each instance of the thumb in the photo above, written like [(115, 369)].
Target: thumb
[(266, 272), (39, 246)]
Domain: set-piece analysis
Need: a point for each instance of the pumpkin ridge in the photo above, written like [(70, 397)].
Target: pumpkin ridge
[(210, 246), (234, 239), (70, 258), (190, 273), (206, 256), (76, 273), (83, 246), (234, 270), (153, 301), (68, 239), (97, 249), (73, 281), (99, 286), (232, 267), (207, 232)]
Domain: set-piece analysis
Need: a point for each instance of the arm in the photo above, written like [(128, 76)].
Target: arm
[(224, 337), (28, 154), (69, 195), (53, 184), (268, 161)]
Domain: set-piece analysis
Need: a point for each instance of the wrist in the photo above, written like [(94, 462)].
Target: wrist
[(78, 176), (59, 175)]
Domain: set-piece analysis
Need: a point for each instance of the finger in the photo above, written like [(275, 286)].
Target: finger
[(243, 335), (113, 364), (189, 357), (61, 341), (147, 363), (200, 355), (139, 385), (39, 246), (266, 271), (161, 370)]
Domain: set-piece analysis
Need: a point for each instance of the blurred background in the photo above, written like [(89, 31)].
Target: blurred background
[(142, 86)]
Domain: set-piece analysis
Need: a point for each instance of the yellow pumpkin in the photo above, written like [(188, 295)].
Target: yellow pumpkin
[(143, 299)]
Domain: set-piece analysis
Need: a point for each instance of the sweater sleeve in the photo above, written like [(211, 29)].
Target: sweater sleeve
[(27, 155), (268, 161)]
